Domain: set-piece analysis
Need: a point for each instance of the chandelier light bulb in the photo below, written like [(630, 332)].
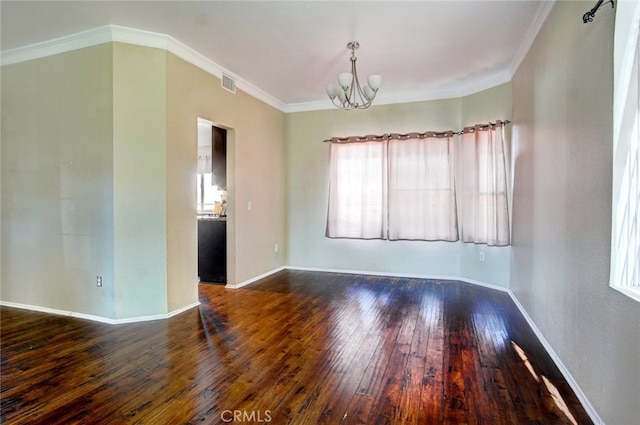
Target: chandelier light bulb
[(368, 92), (345, 79), (374, 81), (332, 90)]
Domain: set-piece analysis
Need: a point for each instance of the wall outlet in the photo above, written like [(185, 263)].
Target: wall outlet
[(275, 248), (481, 257), (249, 206), (99, 281)]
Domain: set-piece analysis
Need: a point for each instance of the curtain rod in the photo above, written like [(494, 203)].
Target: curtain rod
[(368, 138), (588, 17)]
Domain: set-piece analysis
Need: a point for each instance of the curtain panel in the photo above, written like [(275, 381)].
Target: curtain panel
[(393, 187), (484, 201), (357, 190), (422, 195)]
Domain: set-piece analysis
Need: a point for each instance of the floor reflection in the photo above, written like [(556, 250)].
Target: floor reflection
[(525, 360), (551, 390)]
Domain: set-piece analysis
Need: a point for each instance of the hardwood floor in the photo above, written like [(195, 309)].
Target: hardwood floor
[(297, 347)]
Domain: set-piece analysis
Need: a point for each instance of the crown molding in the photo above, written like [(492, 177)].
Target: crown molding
[(119, 34), (116, 33), (56, 46), (462, 89)]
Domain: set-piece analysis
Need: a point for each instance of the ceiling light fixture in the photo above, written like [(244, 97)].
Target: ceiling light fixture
[(348, 94)]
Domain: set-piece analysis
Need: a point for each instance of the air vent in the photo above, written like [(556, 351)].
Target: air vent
[(228, 83)]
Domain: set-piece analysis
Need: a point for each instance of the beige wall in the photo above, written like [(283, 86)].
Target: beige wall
[(562, 110), (307, 190), (57, 182), (256, 174), (482, 107), (98, 178), (139, 170)]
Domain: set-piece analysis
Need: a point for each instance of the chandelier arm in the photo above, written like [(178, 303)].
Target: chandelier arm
[(353, 100)]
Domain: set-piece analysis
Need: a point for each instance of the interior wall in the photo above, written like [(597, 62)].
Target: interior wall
[(57, 182), (487, 106), (99, 179), (139, 170), (255, 153), (562, 110), (307, 190)]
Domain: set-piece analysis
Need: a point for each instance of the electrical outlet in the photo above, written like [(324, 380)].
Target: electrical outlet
[(275, 248), (481, 257), (99, 281), (249, 206)]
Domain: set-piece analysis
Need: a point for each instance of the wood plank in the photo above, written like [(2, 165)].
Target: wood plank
[(297, 347)]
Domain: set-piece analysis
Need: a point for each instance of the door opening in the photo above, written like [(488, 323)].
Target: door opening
[(212, 203)]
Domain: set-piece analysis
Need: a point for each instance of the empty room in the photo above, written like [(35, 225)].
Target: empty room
[(320, 212)]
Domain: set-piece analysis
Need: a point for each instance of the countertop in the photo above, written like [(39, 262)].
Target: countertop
[(212, 217)]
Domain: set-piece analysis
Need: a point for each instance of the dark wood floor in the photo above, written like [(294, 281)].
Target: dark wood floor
[(297, 347)]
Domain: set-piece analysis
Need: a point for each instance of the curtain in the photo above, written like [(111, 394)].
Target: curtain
[(357, 190), (485, 211), (422, 196)]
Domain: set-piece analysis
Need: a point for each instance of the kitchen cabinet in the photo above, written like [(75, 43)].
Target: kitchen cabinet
[(212, 250), (219, 157)]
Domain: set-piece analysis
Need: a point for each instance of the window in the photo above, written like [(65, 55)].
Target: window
[(422, 195), (357, 193), (403, 187), (485, 209), (392, 188), (208, 194), (209, 200), (625, 244)]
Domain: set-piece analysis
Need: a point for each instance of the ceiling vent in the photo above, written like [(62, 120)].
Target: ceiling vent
[(228, 83)]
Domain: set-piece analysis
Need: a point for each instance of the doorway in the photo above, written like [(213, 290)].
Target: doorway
[(213, 206)]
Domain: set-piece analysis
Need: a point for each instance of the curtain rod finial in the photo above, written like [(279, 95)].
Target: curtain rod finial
[(588, 17)]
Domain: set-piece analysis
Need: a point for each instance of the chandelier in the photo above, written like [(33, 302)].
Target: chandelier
[(348, 94)]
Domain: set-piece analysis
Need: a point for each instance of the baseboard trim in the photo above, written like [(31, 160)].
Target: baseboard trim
[(100, 319), (591, 411), (255, 279), (402, 275)]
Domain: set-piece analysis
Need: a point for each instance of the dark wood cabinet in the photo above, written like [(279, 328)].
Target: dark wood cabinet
[(212, 250), (219, 157)]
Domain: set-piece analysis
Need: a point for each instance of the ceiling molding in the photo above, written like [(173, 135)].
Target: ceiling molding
[(56, 46), (115, 33), (119, 34), (464, 88)]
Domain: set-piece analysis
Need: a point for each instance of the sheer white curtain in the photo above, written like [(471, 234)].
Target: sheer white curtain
[(485, 210), (395, 187), (358, 190), (422, 196)]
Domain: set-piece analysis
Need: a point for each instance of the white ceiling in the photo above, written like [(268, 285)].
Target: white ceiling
[(292, 49)]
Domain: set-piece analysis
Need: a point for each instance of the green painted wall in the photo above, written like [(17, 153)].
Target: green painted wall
[(307, 190)]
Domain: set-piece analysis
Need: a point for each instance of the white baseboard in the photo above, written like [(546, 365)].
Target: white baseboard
[(402, 275), (255, 279), (554, 356), (100, 319), (591, 411)]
